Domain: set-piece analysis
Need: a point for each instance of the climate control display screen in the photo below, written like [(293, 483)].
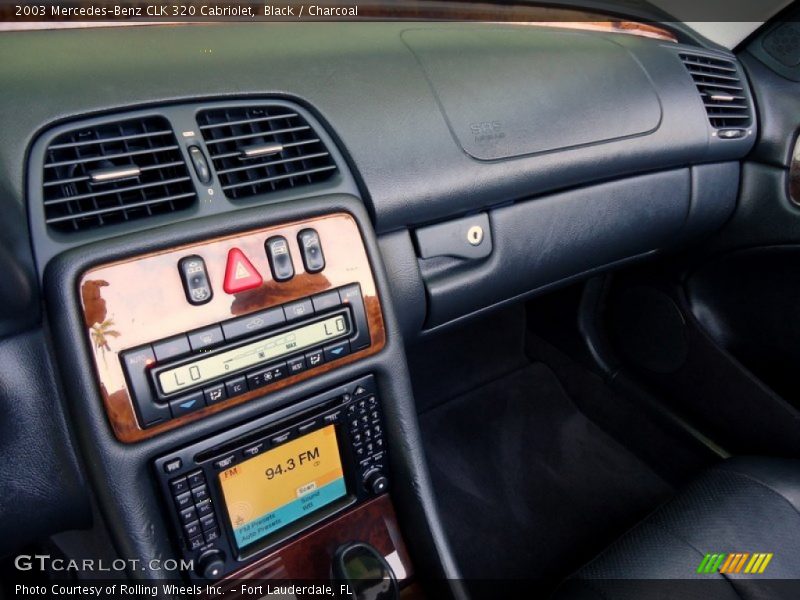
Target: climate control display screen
[(268, 492), (206, 369)]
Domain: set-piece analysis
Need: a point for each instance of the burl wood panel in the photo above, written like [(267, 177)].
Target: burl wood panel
[(309, 556), (141, 300)]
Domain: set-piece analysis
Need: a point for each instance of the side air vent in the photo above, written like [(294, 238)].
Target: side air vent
[(113, 173), (263, 149), (722, 89)]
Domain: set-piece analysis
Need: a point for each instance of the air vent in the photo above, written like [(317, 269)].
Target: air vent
[(112, 173), (263, 149), (722, 89)]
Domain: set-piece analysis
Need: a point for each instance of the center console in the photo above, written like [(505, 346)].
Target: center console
[(238, 392)]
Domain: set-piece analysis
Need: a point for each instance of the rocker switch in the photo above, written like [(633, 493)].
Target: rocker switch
[(280, 260)]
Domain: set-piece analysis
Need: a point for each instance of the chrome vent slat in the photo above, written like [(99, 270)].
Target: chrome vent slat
[(238, 153), (720, 85), (175, 163), (80, 188), (264, 148)]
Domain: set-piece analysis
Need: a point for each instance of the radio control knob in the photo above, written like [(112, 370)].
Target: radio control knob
[(376, 482), (211, 564)]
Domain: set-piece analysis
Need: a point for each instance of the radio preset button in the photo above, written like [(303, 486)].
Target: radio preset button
[(202, 339), (179, 485), (183, 501), (188, 515), (236, 386), (192, 529), (208, 522), (196, 478), (171, 347), (279, 257), (326, 301), (298, 310), (204, 508), (337, 350), (215, 393), (200, 493), (296, 365), (314, 358), (194, 277), (187, 404), (311, 250)]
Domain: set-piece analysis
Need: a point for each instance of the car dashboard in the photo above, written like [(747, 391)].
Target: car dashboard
[(219, 241)]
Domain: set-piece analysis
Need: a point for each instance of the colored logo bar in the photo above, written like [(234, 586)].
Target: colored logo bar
[(736, 562)]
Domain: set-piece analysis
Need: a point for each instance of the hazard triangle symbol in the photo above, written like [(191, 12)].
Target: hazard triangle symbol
[(240, 274)]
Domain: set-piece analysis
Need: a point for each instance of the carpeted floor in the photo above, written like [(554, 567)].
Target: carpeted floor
[(527, 486)]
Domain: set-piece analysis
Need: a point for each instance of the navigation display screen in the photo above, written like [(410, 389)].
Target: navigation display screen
[(270, 491), (281, 344)]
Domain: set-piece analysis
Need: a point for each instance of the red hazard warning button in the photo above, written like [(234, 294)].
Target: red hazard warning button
[(240, 274)]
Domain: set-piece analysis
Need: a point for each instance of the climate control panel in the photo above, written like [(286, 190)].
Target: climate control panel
[(187, 331)]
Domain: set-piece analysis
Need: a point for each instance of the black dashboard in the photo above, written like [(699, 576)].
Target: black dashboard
[(476, 165)]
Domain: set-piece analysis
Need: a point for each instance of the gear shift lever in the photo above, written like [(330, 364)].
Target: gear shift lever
[(363, 573)]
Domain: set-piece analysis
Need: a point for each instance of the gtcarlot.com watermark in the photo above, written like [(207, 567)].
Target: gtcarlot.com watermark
[(45, 562)]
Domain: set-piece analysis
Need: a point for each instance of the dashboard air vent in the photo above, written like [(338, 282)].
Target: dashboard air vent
[(721, 88), (263, 149), (112, 173)]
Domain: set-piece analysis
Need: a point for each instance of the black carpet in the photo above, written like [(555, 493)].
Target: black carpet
[(528, 487)]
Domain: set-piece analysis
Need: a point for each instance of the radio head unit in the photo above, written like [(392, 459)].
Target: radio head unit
[(236, 496)]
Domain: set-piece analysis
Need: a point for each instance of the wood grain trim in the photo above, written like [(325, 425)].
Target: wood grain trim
[(309, 556), (140, 300)]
